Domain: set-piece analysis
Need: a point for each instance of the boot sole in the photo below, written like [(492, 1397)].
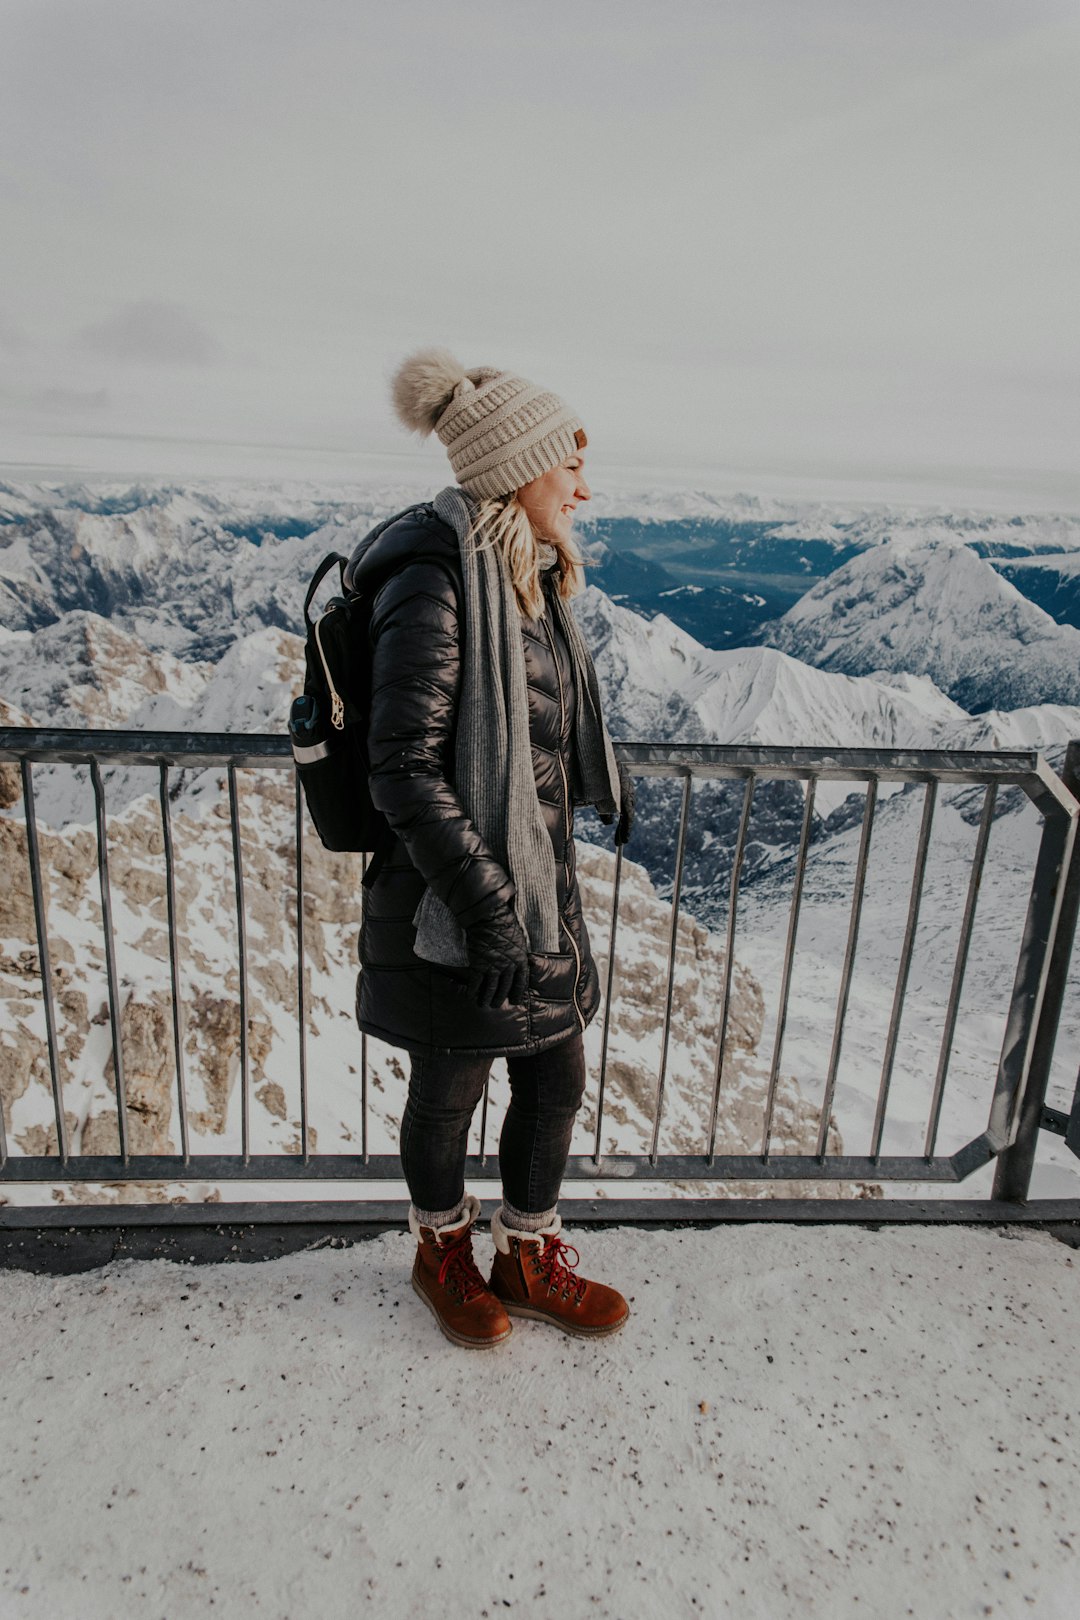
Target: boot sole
[(459, 1338), (559, 1322)]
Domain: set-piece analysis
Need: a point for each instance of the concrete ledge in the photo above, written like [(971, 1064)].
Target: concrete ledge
[(59, 1239)]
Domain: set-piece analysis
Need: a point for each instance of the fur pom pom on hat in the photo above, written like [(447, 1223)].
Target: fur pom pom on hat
[(500, 431)]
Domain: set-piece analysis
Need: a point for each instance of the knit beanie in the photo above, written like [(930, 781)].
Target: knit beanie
[(500, 431)]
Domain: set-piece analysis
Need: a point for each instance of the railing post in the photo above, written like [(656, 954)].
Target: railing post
[(241, 953), (39, 890), (1072, 1130), (1012, 1178), (109, 934)]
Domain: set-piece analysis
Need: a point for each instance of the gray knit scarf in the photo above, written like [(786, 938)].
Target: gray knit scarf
[(493, 773)]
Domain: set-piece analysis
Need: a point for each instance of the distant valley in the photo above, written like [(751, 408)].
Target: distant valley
[(726, 578), (722, 581)]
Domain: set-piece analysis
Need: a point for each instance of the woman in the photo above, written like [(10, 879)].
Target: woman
[(485, 731)]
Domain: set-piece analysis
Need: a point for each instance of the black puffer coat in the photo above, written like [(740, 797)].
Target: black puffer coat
[(413, 566)]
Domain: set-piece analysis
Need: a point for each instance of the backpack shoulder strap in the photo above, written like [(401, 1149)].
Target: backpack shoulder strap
[(318, 577)]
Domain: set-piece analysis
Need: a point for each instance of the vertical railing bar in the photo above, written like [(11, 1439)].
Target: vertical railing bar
[(729, 960), (3, 1133), (1072, 1129), (364, 1148), (1012, 1175), (607, 1001), (849, 962), (174, 960), (789, 956), (1042, 972), (363, 1095), (483, 1121), (301, 990), (110, 957), (37, 888), (904, 971), (960, 967), (241, 951), (680, 852)]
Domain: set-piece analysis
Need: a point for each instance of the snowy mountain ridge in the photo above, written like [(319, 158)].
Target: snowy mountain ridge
[(661, 685), (658, 683), (939, 609), (191, 568)]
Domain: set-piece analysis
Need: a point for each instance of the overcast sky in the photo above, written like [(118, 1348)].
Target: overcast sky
[(820, 241)]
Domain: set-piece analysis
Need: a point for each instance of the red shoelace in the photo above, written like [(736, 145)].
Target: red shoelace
[(458, 1269), (556, 1267)]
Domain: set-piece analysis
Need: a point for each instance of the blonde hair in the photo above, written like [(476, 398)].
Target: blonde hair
[(501, 521)]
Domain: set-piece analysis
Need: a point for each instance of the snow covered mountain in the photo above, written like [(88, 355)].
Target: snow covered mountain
[(938, 609), (663, 686), (750, 521), (186, 571), (190, 568)]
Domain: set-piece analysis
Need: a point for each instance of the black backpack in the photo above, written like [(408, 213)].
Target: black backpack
[(328, 723)]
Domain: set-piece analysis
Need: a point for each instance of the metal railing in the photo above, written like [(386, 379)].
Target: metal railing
[(1017, 1109)]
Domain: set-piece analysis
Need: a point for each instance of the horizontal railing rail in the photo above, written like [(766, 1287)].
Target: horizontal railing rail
[(1017, 1106)]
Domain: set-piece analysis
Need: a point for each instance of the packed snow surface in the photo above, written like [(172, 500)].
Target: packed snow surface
[(797, 1421)]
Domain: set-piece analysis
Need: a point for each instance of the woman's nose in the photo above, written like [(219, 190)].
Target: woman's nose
[(583, 492)]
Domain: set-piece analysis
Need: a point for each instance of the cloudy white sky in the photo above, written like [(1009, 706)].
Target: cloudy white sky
[(773, 243)]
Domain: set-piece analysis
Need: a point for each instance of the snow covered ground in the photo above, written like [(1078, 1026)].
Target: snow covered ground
[(796, 1422)]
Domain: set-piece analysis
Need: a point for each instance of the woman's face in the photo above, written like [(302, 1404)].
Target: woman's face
[(550, 500)]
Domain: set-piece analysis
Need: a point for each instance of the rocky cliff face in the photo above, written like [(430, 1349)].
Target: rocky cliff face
[(83, 670)]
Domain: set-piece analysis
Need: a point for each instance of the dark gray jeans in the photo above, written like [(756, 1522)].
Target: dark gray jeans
[(545, 1093)]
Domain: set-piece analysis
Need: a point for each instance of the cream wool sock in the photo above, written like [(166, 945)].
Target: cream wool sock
[(434, 1218), (516, 1220)]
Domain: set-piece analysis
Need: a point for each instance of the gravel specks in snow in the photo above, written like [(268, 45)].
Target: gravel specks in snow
[(796, 1421)]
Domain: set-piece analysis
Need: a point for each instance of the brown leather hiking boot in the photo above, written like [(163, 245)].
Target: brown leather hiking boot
[(533, 1275), (445, 1276)]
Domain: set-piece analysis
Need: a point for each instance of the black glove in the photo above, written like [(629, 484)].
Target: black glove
[(626, 800), (498, 960)]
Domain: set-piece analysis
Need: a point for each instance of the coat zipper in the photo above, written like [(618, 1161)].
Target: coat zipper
[(566, 805), (337, 707)]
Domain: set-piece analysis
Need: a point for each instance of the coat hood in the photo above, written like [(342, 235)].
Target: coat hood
[(408, 536)]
